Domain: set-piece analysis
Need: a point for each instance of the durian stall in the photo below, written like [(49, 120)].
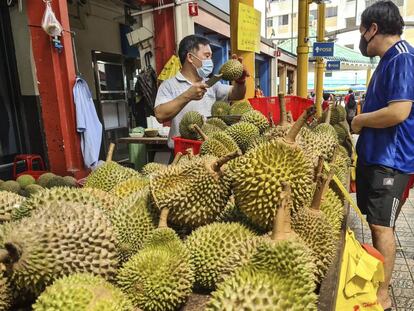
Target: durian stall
[(254, 222)]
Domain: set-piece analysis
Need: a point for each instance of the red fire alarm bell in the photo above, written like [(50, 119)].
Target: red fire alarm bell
[(193, 9)]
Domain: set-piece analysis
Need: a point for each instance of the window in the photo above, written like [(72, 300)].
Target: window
[(283, 19), (396, 2), (314, 13), (328, 74), (269, 22), (350, 22), (331, 12)]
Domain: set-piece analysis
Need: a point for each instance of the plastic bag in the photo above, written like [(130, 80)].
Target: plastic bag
[(50, 24)]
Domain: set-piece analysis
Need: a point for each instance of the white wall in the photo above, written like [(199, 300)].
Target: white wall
[(23, 49)]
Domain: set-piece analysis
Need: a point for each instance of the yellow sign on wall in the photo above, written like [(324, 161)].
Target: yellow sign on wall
[(248, 29)]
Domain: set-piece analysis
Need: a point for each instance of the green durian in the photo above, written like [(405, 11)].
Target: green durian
[(232, 70), (11, 186), (186, 126), (129, 186), (151, 168), (217, 122), (82, 292), (242, 133), (240, 107), (9, 201), (220, 108), (44, 179), (257, 119), (25, 180)]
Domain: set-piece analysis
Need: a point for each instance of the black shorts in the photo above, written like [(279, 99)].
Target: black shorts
[(379, 192)]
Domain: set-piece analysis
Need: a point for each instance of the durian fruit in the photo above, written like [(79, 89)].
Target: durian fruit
[(49, 197), (151, 168), (232, 70), (341, 132), (226, 140), (195, 192), (82, 292), (32, 189), (277, 276), (11, 186), (107, 200), (9, 201), (208, 129), (57, 181), (217, 122), (129, 186), (239, 108), (70, 181), (25, 180), (57, 240), (243, 133), (220, 108), (211, 247), (6, 296), (160, 276), (313, 227), (217, 144), (284, 126), (186, 126), (338, 114), (257, 177), (109, 175), (44, 179), (133, 223), (257, 119)]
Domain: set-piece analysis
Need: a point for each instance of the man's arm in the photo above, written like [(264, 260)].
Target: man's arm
[(395, 113), (237, 91), (167, 111)]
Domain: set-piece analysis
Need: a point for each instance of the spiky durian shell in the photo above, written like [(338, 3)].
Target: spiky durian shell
[(208, 129), (49, 197), (257, 119), (217, 122), (58, 240), (333, 208), (241, 107), (82, 291), (130, 186), (25, 180), (108, 175), (193, 193), (151, 168), (9, 201), (11, 186), (32, 189), (257, 179), (315, 230), (189, 119), (133, 224), (159, 277), (213, 147), (6, 296), (220, 108), (107, 200), (211, 247), (243, 133), (231, 70)]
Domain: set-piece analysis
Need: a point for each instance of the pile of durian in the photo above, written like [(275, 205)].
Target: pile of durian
[(252, 223)]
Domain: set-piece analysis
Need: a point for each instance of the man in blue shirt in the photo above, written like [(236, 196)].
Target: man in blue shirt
[(386, 143)]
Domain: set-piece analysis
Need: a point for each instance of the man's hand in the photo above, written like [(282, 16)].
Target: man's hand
[(356, 124), (245, 73), (196, 91)]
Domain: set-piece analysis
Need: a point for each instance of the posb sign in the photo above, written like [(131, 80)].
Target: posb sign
[(323, 49)]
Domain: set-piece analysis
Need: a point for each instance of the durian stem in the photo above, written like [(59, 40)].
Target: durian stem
[(177, 158), (328, 115), (289, 117), (190, 153), (335, 154), (271, 121), (281, 221), (319, 192), (282, 109), (110, 152), (294, 130), (163, 218), (318, 168), (200, 132), (224, 159), (4, 255)]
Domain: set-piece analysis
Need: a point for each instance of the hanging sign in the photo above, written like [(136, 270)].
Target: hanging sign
[(248, 28)]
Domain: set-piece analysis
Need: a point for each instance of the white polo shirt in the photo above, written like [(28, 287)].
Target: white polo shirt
[(172, 88)]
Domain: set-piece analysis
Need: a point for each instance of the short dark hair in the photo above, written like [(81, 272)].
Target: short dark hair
[(350, 91), (326, 96), (386, 15), (190, 43)]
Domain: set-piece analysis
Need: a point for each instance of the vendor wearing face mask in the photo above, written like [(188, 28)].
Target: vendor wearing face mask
[(386, 143), (187, 91)]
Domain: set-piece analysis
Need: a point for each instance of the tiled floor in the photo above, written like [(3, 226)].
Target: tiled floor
[(402, 285)]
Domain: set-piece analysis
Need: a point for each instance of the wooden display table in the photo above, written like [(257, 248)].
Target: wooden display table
[(153, 144)]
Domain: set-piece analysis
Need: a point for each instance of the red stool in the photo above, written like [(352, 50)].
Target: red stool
[(29, 160)]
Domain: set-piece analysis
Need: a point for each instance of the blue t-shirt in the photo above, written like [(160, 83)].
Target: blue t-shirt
[(393, 80)]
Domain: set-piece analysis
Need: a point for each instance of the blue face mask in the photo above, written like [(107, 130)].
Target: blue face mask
[(206, 68)]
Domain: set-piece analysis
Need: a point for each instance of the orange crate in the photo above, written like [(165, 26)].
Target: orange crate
[(182, 144)]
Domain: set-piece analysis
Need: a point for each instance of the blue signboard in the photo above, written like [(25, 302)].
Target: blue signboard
[(333, 65), (323, 49)]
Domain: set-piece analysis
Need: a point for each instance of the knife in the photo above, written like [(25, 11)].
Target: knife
[(214, 80)]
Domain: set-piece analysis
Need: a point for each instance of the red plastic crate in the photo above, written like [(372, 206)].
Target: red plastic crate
[(270, 105), (182, 144)]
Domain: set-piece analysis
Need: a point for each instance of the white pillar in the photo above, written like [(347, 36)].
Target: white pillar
[(184, 24)]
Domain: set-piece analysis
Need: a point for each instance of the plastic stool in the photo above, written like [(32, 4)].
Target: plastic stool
[(28, 159)]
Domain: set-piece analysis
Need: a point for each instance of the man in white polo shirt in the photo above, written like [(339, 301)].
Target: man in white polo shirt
[(187, 91)]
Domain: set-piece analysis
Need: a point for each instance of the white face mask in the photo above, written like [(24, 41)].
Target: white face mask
[(206, 68)]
